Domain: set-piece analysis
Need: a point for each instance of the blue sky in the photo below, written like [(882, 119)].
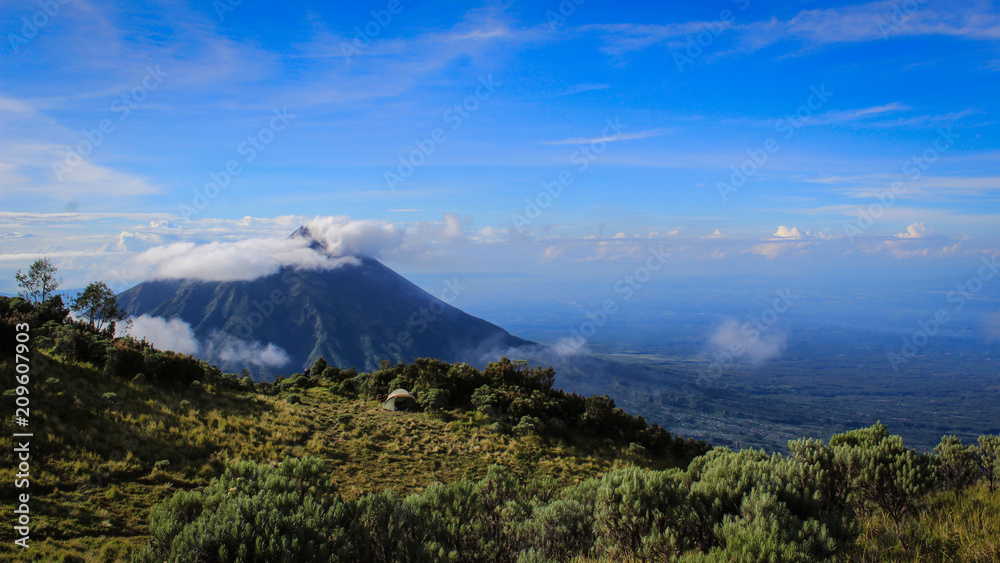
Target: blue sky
[(790, 138)]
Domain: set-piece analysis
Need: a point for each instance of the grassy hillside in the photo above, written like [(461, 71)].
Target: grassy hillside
[(104, 462), (109, 443), (120, 429)]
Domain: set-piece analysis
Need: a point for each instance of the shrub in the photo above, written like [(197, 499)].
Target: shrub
[(956, 463), (560, 530), (988, 459), (529, 425), (638, 514), (256, 512), (486, 400), (434, 399), (882, 473)]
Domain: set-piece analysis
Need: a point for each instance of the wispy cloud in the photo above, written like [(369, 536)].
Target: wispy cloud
[(611, 138), (859, 114), (874, 21), (869, 185), (622, 38), (581, 88)]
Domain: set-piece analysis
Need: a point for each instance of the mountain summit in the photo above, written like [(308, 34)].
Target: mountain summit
[(354, 315)]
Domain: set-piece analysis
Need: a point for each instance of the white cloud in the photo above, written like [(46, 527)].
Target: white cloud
[(622, 38), (873, 21), (785, 232), (748, 342), (344, 236), (329, 243), (611, 138), (915, 230), (241, 351), (581, 88), (230, 261), (173, 334), (177, 335)]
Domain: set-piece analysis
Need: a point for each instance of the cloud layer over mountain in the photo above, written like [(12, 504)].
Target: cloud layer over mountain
[(343, 238)]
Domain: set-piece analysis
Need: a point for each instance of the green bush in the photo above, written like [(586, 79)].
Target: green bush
[(956, 463), (256, 512), (434, 399), (529, 425), (988, 459)]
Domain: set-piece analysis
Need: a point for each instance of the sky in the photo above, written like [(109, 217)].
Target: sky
[(571, 140)]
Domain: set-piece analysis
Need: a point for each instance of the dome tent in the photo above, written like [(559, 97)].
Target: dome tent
[(400, 400)]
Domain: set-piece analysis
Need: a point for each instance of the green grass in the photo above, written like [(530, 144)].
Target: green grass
[(99, 464), (952, 526), (94, 463)]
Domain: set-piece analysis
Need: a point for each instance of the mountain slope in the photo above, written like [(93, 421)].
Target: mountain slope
[(354, 316)]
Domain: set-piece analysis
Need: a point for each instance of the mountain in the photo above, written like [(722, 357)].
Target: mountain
[(354, 315)]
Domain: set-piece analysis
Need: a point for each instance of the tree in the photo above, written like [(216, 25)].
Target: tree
[(99, 305), (318, 367), (39, 282)]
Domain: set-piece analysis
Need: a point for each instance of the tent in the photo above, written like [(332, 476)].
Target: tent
[(400, 400)]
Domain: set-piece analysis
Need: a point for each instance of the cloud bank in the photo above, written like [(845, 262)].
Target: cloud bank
[(177, 335), (747, 342), (173, 334), (341, 240), (252, 352)]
